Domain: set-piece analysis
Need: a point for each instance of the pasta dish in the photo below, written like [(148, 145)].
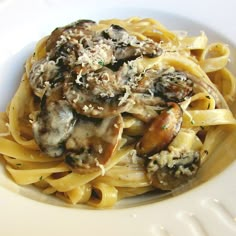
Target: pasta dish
[(115, 109)]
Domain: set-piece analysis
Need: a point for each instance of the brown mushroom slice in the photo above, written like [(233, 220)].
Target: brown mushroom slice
[(66, 43), (92, 143), (42, 75), (53, 125), (148, 49), (173, 86), (161, 131), (128, 46), (168, 84), (98, 94), (146, 106), (168, 170), (98, 54), (76, 30), (53, 94)]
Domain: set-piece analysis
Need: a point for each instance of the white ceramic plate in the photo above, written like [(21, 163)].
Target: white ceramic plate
[(207, 209)]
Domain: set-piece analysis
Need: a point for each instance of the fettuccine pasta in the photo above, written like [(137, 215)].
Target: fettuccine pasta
[(116, 109)]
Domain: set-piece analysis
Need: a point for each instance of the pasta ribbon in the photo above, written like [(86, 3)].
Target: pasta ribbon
[(81, 194), (195, 43), (214, 57), (73, 180), (106, 195), (21, 102), (225, 82), (25, 177), (4, 125), (192, 142), (208, 118), (13, 149)]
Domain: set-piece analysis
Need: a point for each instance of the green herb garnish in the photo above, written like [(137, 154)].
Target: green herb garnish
[(164, 126), (101, 63)]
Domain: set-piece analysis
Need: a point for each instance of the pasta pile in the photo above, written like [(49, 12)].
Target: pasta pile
[(116, 109)]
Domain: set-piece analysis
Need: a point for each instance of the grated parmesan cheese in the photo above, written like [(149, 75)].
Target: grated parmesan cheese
[(85, 108), (62, 40), (100, 108), (126, 95)]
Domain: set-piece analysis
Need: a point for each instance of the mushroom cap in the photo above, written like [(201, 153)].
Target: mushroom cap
[(80, 25), (169, 170), (161, 131), (42, 75), (93, 143), (53, 125), (174, 86), (127, 46), (98, 94)]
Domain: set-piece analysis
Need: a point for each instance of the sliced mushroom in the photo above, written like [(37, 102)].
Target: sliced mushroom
[(161, 131), (127, 45), (53, 94), (146, 107), (116, 33), (173, 86), (98, 54), (65, 44), (93, 142), (75, 30), (53, 126), (98, 94), (125, 53), (112, 47), (43, 74), (169, 169)]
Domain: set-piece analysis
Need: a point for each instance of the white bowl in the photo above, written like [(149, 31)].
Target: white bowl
[(206, 208)]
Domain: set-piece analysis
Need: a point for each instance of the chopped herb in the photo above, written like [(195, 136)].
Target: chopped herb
[(101, 63), (192, 122), (40, 178), (164, 126), (201, 127), (18, 164), (208, 106), (208, 97)]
